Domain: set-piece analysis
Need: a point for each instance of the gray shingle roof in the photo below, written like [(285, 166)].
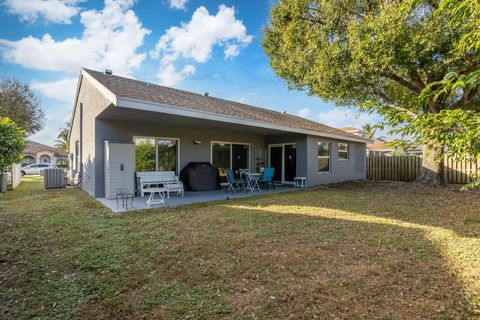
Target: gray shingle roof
[(32, 147), (148, 92)]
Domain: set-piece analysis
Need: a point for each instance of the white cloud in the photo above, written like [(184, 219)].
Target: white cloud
[(178, 4), (62, 90), (46, 136), (196, 39), (56, 11), (304, 112), (110, 39), (169, 75), (343, 117), (232, 50)]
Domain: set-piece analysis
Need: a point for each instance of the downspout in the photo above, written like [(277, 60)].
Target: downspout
[(81, 142)]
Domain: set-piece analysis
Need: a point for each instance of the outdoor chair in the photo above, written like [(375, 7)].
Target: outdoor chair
[(243, 176), (267, 177), (233, 184)]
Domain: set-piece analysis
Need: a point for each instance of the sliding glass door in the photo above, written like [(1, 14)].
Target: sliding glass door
[(229, 155), (239, 157), (283, 157), (290, 167), (276, 154), (221, 158), (156, 154), (167, 155)]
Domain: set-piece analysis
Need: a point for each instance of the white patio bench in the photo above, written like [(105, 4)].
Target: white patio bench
[(167, 179)]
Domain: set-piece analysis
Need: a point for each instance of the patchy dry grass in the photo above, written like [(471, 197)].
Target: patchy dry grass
[(355, 251)]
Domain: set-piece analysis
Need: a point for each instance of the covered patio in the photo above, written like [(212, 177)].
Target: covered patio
[(190, 197), (123, 129)]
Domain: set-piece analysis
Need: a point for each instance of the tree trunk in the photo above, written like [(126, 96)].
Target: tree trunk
[(432, 170), (3, 182)]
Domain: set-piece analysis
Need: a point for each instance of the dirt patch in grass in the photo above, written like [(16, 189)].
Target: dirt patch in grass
[(352, 251)]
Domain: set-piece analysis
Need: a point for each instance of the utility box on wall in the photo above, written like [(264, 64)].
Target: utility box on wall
[(119, 168)]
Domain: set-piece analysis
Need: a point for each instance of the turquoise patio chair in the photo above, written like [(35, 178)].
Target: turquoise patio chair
[(233, 184), (267, 177)]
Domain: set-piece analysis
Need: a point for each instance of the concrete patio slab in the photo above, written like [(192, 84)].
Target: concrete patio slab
[(190, 197)]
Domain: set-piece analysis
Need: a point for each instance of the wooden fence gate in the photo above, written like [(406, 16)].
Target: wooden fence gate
[(407, 168)]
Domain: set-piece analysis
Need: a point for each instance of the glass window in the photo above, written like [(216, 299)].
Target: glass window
[(323, 157), (221, 158), (342, 151), (145, 154), (29, 160), (152, 154), (45, 158), (167, 151)]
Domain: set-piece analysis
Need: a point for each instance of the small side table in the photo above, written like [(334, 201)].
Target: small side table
[(124, 195), (300, 182), (152, 200)]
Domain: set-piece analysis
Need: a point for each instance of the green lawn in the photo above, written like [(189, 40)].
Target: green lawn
[(355, 251)]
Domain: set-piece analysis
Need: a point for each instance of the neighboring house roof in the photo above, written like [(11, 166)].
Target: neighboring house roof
[(375, 144), (350, 129), (379, 146), (136, 90), (33, 147)]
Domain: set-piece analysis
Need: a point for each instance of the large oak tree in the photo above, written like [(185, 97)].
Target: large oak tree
[(383, 56), (20, 104)]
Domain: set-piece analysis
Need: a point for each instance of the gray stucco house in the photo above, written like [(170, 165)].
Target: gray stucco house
[(196, 127)]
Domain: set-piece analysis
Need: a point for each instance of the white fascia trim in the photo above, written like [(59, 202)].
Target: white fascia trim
[(100, 87), (74, 105), (186, 112), (107, 93)]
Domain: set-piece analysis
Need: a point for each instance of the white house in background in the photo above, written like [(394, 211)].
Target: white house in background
[(356, 131), (377, 147), (40, 153)]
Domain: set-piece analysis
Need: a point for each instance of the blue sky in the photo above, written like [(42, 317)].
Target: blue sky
[(200, 46)]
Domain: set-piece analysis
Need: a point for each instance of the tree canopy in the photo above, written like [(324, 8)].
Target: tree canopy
[(21, 105), (12, 143), (380, 56)]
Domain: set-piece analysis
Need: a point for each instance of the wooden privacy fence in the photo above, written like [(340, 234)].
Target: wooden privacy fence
[(407, 168)]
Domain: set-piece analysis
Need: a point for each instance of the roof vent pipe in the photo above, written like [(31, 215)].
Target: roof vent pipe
[(108, 71), (206, 94)]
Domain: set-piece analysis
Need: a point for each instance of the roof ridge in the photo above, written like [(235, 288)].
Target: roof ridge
[(149, 83), (150, 92), (191, 92)]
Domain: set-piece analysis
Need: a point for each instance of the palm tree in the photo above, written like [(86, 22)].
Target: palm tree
[(369, 130), (62, 141)]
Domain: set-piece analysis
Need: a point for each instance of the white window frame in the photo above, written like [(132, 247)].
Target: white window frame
[(230, 143), (156, 149), (343, 151), (329, 157)]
